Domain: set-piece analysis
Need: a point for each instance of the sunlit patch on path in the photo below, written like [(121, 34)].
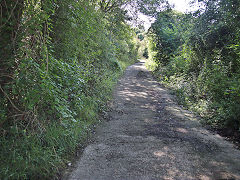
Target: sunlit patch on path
[(150, 137)]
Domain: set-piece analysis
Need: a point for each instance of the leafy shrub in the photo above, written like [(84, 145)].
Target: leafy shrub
[(66, 58), (203, 65), (145, 53)]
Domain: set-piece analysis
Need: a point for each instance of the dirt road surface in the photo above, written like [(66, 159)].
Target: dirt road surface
[(149, 136)]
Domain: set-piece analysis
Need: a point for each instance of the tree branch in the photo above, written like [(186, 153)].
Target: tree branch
[(9, 99), (10, 14)]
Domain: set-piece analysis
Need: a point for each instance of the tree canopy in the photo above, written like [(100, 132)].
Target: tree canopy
[(58, 63), (59, 60), (199, 53)]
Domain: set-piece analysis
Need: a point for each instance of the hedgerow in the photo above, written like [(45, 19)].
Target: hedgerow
[(59, 63), (198, 55)]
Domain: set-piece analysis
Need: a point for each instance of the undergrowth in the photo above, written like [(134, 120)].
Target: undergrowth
[(42, 153), (197, 54), (59, 63)]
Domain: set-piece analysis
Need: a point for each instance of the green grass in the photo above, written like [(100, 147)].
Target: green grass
[(43, 153)]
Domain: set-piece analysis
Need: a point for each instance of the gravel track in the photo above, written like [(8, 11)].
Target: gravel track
[(149, 136)]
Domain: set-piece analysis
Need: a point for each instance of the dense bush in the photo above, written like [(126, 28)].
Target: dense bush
[(59, 62), (199, 55)]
